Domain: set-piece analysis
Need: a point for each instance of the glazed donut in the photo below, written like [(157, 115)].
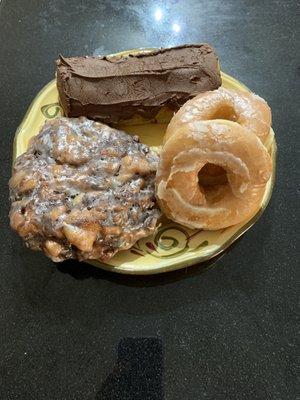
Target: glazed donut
[(212, 174), (245, 108)]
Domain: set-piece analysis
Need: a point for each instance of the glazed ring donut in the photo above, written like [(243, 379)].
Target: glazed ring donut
[(247, 109), (199, 150)]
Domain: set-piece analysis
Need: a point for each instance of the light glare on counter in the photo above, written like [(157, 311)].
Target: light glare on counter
[(158, 14)]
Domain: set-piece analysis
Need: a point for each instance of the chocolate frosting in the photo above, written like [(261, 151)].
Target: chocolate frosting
[(115, 88)]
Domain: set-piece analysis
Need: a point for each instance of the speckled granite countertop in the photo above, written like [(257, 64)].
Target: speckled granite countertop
[(74, 332)]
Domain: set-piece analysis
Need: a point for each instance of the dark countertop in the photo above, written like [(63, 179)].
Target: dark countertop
[(70, 331)]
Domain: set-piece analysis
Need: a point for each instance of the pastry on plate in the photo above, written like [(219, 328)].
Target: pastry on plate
[(136, 87), (214, 167), (83, 190), (245, 108)]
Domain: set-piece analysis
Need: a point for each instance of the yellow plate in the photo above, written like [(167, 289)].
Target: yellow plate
[(173, 246)]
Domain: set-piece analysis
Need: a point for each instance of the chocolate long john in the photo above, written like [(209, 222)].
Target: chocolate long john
[(114, 89)]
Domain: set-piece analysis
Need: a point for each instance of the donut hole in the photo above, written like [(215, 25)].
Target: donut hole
[(213, 182), (226, 111)]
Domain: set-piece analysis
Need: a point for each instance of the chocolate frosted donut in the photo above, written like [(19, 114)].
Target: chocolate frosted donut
[(83, 190)]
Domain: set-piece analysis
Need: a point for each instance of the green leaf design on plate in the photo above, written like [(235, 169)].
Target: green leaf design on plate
[(136, 252), (202, 244), (171, 241), (51, 110), (165, 241), (162, 245)]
